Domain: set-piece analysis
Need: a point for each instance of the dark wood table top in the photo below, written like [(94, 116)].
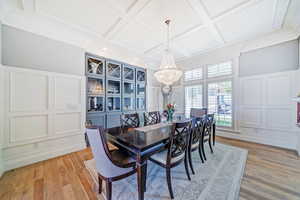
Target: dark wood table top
[(138, 140)]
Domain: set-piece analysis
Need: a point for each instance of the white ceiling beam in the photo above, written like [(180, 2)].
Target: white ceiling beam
[(198, 6), (29, 5), (280, 11), (133, 10)]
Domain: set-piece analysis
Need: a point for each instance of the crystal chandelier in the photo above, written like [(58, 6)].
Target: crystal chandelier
[(168, 72)]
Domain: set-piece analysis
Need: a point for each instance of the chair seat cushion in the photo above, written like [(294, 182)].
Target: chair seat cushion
[(195, 145), (161, 157), (122, 158)]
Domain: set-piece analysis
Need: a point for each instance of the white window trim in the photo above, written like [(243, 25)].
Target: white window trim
[(205, 81)]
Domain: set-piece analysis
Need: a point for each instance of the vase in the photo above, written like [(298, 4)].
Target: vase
[(170, 116)]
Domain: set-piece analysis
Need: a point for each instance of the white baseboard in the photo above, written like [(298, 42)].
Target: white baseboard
[(20, 162), (286, 144)]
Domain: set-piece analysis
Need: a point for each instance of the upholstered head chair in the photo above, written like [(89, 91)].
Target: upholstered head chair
[(105, 165), (111, 166)]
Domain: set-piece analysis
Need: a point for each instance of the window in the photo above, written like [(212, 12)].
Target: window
[(220, 102), (193, 98), (194, 74), (221, 69)]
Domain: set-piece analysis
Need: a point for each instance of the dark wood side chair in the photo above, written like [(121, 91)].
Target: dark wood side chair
[(130, 120), (151, 118), (207, 135), (200, 112), (111, 166), (176, 151), (195, 138)]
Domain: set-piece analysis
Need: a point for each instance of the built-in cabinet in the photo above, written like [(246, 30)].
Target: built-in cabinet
[(113, 88)]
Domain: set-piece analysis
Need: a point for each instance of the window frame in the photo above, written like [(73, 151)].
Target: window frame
[(199, 84), (206, 80)]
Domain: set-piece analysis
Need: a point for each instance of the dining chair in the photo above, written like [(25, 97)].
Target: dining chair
[(130, 120), (198, 112), (206, 135), (151, 118), (195, 138), (175, 152), (110, 166)]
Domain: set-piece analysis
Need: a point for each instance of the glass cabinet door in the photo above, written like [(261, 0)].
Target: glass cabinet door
[(140, 76), (128, 103), (95, 86), (140, 89), (128, 73), (113, 87), (114, 70), (113, 103), (128, 88), (95, 104), (95, 66), (140, 103)]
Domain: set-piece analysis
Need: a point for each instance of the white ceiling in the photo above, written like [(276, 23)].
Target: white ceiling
[(197, 25)]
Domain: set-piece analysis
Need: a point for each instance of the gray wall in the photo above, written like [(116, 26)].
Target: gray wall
[(27, 50), (277, 58), (1, 110)]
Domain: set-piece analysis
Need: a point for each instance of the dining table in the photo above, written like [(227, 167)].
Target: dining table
[(142, 142)]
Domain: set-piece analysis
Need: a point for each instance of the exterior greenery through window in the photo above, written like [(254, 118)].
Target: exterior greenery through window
[(218, 92)]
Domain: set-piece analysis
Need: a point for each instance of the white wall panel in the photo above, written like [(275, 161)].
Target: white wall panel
[(251, 117), (67, 93), (251, 92), (25, 128), (67, 123), (279, 90), (279, 118), (28, 92), (45, 118)]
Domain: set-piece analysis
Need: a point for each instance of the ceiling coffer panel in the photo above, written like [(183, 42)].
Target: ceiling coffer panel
[(94, 15), (249, 22)]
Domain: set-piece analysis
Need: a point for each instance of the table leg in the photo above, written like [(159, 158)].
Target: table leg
[(214, 133), (141, 172)]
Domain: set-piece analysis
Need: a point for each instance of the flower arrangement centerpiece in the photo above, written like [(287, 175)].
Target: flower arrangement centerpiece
[(170, 111)]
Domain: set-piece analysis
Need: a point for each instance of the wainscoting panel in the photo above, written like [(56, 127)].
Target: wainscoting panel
[(267, 113), (44, 116), (28, 92), (25, 128), (68, 95), (67, 123)]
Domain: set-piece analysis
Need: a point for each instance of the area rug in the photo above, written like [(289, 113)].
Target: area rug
[(219, 178)]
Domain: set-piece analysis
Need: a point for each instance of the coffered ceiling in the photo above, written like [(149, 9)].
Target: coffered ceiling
[(197, 25)]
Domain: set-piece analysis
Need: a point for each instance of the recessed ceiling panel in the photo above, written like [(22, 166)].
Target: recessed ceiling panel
[(137, 37), (198, 41), (247, 23), (94, 15), (217, 7), (182, 15)]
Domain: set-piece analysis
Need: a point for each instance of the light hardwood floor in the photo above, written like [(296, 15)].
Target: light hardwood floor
[(271, 174)]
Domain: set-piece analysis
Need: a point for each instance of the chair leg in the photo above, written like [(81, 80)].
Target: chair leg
[(108, 190), (168, 172), (145, 179), (100, 184), (191, 162), (203, 151), (200, 154), (186, 165), (210, 146)]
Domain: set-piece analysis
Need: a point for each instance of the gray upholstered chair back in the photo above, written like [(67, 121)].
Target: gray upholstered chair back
[(104, 164), (198, 112)]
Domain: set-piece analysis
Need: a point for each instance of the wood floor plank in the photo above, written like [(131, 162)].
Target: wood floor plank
[(270, 174)]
